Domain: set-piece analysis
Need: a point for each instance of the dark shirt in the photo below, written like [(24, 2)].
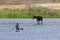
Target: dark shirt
[(17, 25)]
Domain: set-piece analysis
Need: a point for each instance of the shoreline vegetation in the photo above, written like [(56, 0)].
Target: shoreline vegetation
[(25, 13)]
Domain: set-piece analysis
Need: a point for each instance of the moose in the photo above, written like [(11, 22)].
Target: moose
[(39, 19)]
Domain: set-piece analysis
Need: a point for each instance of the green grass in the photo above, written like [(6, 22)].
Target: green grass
[(24, 13)]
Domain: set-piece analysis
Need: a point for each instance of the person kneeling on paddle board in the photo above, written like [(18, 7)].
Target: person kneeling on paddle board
[(17, 27)]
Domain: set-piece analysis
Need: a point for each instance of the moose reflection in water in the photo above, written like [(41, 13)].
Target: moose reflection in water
[(39, 19)]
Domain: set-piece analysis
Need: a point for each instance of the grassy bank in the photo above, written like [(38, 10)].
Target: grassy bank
[(24, 13)]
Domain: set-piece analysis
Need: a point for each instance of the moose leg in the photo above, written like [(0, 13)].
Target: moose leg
[(41, 22), (38, 22)]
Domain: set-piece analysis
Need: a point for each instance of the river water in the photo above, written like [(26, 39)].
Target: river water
[(49, 30)]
